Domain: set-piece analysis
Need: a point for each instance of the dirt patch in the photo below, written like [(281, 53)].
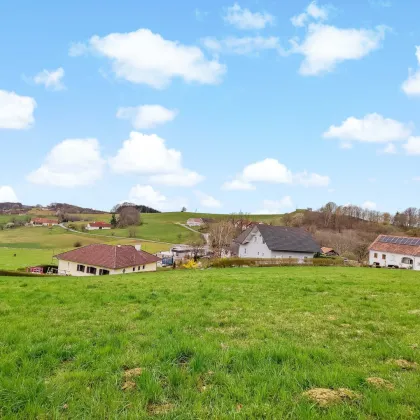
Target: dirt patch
[(380, 383), (403, 364), (128, 386), (332, 318), (133, 373), (414, 312), (325, 397), (346, 325), (158, 409)]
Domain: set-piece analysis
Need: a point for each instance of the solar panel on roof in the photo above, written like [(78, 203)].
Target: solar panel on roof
[(399, 240)]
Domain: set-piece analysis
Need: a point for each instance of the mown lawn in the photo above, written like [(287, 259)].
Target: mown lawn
[(233, 343)]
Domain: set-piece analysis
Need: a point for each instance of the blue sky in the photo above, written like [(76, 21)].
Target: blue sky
[(259, 106)]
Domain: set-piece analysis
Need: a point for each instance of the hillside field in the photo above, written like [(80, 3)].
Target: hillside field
[(36, 245), (232, 343)]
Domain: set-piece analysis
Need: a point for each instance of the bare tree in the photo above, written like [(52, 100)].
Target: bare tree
[(221, 236), (129, 216)]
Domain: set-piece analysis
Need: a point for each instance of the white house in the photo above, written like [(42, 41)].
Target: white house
[(40, 221), (263, 241), (98, 226), (102, 259), (195, 222), (395, 252)]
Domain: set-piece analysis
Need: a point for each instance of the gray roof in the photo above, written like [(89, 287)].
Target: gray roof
[(282, 238)]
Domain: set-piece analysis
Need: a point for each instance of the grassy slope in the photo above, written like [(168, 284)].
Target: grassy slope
[(209, 342), (37, 245)]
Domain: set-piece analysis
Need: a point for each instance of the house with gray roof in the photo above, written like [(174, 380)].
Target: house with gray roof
[(263, 241)]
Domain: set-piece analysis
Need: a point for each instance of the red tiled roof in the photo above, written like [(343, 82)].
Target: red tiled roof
[(326, 250), (41, 220), (197, 220), (100, 224), (377, 245), (108, 256)]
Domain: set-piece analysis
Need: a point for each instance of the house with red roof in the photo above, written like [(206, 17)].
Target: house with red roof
[(40, 221), (98, 226), (103, 259), (395, 252)]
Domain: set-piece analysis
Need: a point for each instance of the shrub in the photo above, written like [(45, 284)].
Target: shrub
[(191, 264), (325, 262), (77, 244)]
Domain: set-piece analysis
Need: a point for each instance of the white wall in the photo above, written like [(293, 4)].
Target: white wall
[(70, 268), (256, 248), (392, 259), (97, 228)]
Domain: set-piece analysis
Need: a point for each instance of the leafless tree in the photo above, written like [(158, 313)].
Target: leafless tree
[(129, 216), (221, 236)]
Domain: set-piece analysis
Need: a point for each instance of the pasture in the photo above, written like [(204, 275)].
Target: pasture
[(228, 343)]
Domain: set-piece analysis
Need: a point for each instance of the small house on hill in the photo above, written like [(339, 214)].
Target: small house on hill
[(98, 226), (264, 241), (102, 259), (329, 252), (395, 252), (40, 221), (195, 221)]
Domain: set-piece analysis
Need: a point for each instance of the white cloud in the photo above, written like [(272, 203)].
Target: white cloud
[(147, 58), (373, 128), (267, 170), (326, 46), (148, 196), (184, 178), (200, 15), (412, 147), (71, 163), (147, 116), (16, 112), (346, 145), (416, 179), (207, 200), (412, 85), (242, 45), (369, 205), (77, 49), (245, 19), (276, 206), (312, 11), (272, 171), (147, 154), (7, 194), (238, 185), (390, 149), (311, 180), (51, 79)]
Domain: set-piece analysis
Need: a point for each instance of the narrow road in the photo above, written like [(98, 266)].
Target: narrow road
[(111, 236), (206, 236)]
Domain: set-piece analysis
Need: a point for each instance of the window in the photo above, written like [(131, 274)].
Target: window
[(383, 256), (406, 260), (124, 271), (91, 270), (144, 267), (81, 268), (134, 268), (103, 272), (258, 253), (139, 268), (375, 255)]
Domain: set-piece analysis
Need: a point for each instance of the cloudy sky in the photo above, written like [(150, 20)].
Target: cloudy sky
[(260, 106)]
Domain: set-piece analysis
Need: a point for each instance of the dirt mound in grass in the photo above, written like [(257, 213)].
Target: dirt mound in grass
[(128, 386), (380, 383), (325, 397), (159, 409), (403, 364), (132, 373)]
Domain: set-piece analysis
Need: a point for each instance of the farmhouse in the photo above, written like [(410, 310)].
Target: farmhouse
[(102, 259), (395, 252), (40, 221), (263, 241), (98, 226), (195, 222), (329, 252)]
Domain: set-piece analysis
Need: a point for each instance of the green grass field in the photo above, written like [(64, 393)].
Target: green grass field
[(233, 343), (34, 246)]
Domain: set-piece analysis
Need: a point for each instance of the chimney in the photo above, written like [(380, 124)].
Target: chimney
[(138, 247)]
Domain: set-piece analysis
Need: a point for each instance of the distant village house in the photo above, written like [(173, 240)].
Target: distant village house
[(195, 222), (98, 226), (329, 252), (102, 260), (395, 252), (263, 241), (40, 221)]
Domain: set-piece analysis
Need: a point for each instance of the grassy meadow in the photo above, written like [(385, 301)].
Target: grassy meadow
[(36, 245), (232, 343)]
